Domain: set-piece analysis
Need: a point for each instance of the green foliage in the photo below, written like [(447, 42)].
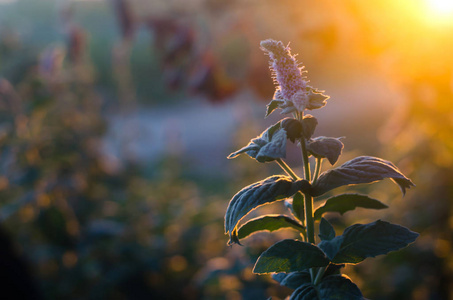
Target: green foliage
[(290, 256), (326, 230), (331, 287), (274, 188), (270, 145), (313, 270), (362, 169), (326, 147), (268, 223), (361, 241), (347, 202), (273, 105)]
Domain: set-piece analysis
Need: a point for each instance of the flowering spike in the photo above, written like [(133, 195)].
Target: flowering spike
[(288, 74)]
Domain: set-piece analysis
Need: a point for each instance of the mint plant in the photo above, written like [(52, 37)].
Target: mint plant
[(312, 269)]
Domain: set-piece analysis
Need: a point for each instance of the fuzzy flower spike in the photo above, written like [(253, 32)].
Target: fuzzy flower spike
[(293, 92)]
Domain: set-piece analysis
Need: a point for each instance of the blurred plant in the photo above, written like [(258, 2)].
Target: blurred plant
[(312, 270)]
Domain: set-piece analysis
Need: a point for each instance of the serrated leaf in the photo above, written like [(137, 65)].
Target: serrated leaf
[(326, 147), (316, 99), (273, 105), (309, 124), (266, 191), (361, 241), (290, 256), (270, 145), (363, 169), (268, 223), (331, 287), (293, 128), (275, 148), (326, 230), (346, 202), (292, 280)]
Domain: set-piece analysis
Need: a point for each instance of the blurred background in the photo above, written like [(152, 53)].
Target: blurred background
[(116, 118)]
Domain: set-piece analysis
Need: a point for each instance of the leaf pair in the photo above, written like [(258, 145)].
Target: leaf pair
[(269, 146), (271, 189), (357, 243)]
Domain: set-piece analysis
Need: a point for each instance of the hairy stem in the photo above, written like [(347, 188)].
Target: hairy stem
[(317, 169), (287, 169)]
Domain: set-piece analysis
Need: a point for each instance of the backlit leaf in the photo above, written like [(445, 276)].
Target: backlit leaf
[(269, 190), (326, 147), (363, 169), (346, 202), (268, 223), (361, 241), (290, 256)]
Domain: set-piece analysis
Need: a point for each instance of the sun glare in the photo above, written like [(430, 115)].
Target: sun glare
[(441, 7)]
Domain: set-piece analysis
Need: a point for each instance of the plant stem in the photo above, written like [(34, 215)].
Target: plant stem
[(319, 275), (287, 169), (317, 169), (308, 198)]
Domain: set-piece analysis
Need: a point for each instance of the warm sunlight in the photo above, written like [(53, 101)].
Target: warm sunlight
[(441, 10), (441, 6)]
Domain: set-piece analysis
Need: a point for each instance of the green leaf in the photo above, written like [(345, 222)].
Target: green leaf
[(331, 247), (326, 230), (363, 169), (346, 202), (292, 280), (309, 124), (290, 256), (293, 128), (326, 147), (361, 241), (331, 287), (266, 191), (316, 99), (269, 146), (297, 206), (273, 105), (268, 223)]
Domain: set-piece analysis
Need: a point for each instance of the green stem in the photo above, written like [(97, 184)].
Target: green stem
[(309, 222), (317, 169), (321, 272), (308, 198), (287, 169)]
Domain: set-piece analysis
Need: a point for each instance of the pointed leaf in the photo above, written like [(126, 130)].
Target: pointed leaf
[(363, 169), (361, 241), (273, 105), (292, 280), (275, 148), (290, 256), (309, 124), (316, 99), (326, 147), (269, 190), (268, 223), (270, 145), (331, 247), (346, 202), (326, 230), (331, 287)]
